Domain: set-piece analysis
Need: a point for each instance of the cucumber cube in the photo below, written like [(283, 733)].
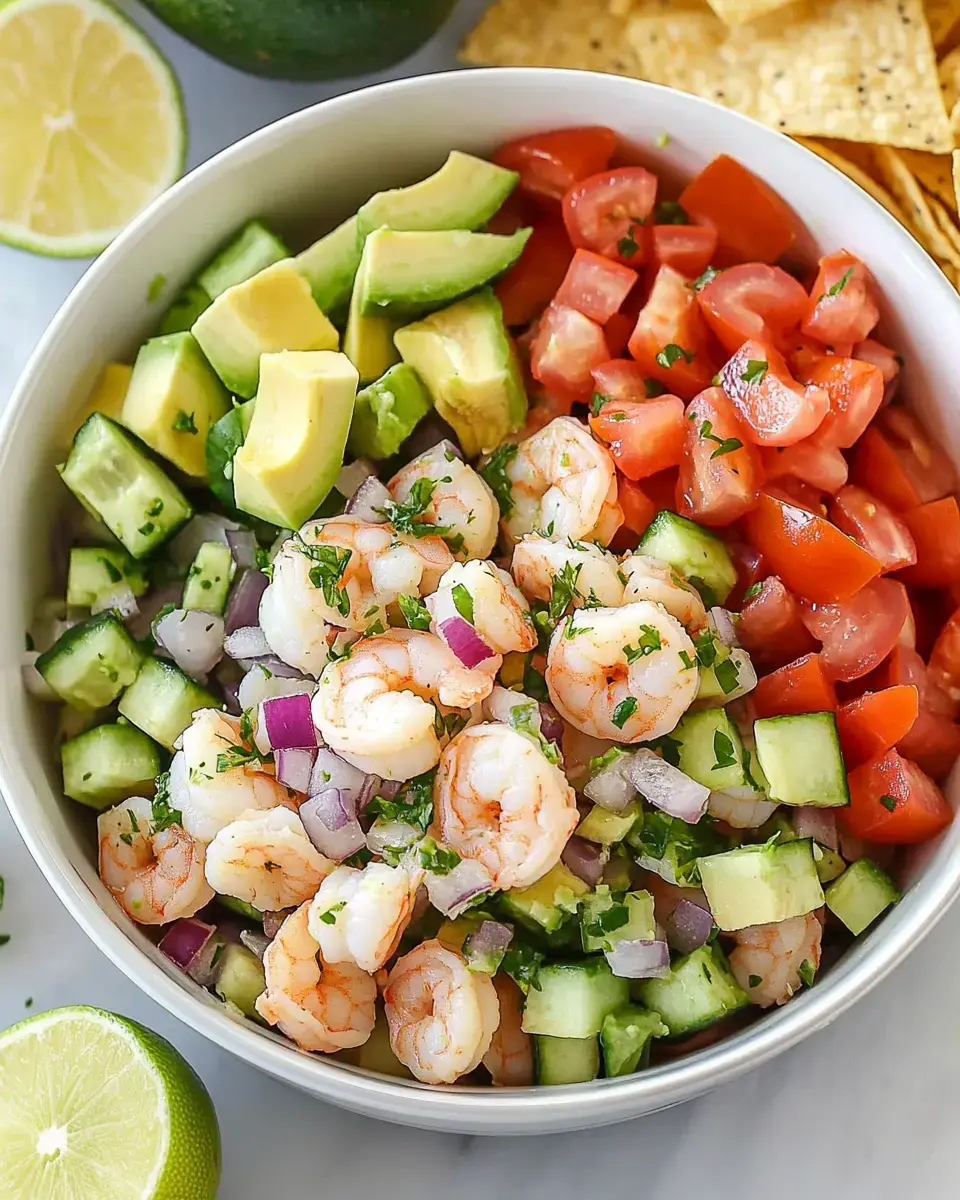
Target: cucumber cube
[(606, 918), (91, 664), (109, 763), (241, 978), (162, 700), (625, 1038), (800, 756), (209, 578), (566, 1060), (700, 990), (860, 895), (97, 571), (573, 999), (710, 750), (700, 556)]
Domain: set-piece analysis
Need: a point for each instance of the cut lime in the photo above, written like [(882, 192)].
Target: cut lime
[(95, 1107), (91, 125)]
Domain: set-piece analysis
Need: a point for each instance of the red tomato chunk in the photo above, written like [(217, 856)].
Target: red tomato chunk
[(644, 437), (689, 249), (842, 306), (858, 634), (892, 801), (567, 347), (800, 687), (855, 391), (771, 628), (778, 410), (752, 300), (671, 341), (873, 723), (608, 211), (874, 527), (551, 163), (720, 471), (595, 286)]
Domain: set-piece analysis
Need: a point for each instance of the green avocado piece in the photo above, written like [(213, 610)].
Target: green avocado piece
[(183, 312), (368, 342), (465, 357), (241, 979), (253, 249), (223, 441), (547, 903), (387, 412), (330, 266)]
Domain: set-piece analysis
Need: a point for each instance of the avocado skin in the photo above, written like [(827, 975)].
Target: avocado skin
[(306, 39)]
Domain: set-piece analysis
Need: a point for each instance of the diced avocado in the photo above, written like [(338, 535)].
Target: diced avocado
[(617, 874), (830, 865), (241, 978), (710, 750), (253, 249), (241, 908), (162, 700), (368, 342), (330, 266), (173, 399), (91, 664), (293, 451), (209, 578), (860, 895), (671, 848), (223, 441), (387, 412), (463, 194), (107, 764), (114, 479), (465, 357), (699, 555), (562, 1060), (109, 391), (96, 571), (270, 312), (700, 990), (478, 959), (725, 674), (625, 1038), (801, 758), (761, 885), (573, 998), (607, 828), (183, 312), (607, 917), (406, 273), (458, 935), (547, 903), (376, 1053)]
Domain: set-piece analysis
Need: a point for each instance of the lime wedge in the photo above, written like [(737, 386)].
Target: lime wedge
[(91, 125), (95, 1107)]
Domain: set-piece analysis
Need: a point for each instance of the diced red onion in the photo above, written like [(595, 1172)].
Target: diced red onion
[(817, 823), (501, 702), (243, 605), (193, 639), (395, 834), (294, 767), (205, 968), (289, 722), (204, 527), (421, 902), (585, 859), (666, 787), (370, 788), (368, 502), (255, 941), (639, 959), (332, 771), (243, 548), (331, 823), (387, 788), (247, 642), (183, 940), (141, 625), (741, 807), (464, 641), (489, 939), (611, 787), (451, 893), (352, 475), (121, 599), (33, 681), (273, 919), (723, 626), (262, 683), (689, 926), (432, 431), (551, 723)]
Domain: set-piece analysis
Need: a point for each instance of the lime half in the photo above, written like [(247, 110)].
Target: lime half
[(95, 1107)]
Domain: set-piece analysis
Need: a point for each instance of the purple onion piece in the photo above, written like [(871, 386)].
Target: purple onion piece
[(249, 641), (289, 723), (396, 834), (688, 927), (451, 893), (243, 606), (273, 919), (184, 940), (141, 625), (331, 824), (255, 942), (666, 787), (259, 685), (370, 788), (723, 626), (610, 787), (487, 944), (585, 859), (206, 966), (352, 476), (332, 771), (369, 501), (387, 788), (243, 548), (817, 823), (551, 723), (639, 959), (464, 641), (294, 768), (432, 431), (204, 527)]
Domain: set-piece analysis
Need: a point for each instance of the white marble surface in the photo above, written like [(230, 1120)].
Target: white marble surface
[(867, 1109)]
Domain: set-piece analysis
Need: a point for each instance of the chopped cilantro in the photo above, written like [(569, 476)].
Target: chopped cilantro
[(723, 751), (522, 963), (523, 718), (184, 422), (330, 564), (754, 980), (597, 401), (628, 245), (653, 388), (688, 662), (4, 938), (756, 369), (753, 590), (162, 816), (494, 472), (807, 971), (701, 281), (112, 573), (463, 602), (607, 921), (329, 916), (534, 683), (672, 353), (670, 212), (706, 647), (408, 517), (669, 748), (415, 612), (836, 288), (564, 589), (436, 859), (624, 711), (724, 445), (728, 675), (888, 802), (647, 643), (413, 804), (146, 529), (155, 508)]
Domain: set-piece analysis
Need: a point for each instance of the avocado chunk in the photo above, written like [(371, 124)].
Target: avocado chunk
[(241, 979), (183, 312), (387, 412), (223, 441), (108, 394), (625, 1037), (252, 250), (209, 578), (368, 342), (463, 194), (466, 359), (294, 449), (547, 903), (407, 273), (270, 312), (173, 399), (761, 885), (330, 266)]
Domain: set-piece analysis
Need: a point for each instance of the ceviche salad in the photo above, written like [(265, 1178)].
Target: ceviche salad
[(510, 639)]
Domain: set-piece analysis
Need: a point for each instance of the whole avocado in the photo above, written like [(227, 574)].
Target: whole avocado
[(306, 39)]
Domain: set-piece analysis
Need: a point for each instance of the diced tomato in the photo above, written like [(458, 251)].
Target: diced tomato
[(823, 467), (720, 471), (876, 467), (752, 221), (855, 390), (778, 410), (644, 437), (893, 801), (567, 347), (622, 379), (545, 405), (686, 248), (804, 352), (883, 357), (595, 286), (516, 212), (811, 556), (943, 669), (859, 633), (617, 332), (905, 666), (638, 509), (842, 306), (801, 493), (529, 286), (935, 529), (671, 341), (925, 463), (799, 687), (933, 743), (752, 301), (873, 526), (551, 163), (873, 724), (662, 488), (607, 211), (751, 570), (771, 626)]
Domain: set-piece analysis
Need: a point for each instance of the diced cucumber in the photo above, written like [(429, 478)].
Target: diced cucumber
[(162, 700), (607, 828), (700, 990), (830, 865), (761, 885), (547, 903), (209, 578), (330, 265), (97, 571), (700, 556), (376, 1053), (709, 749), (801, 758), (109, 763), (112, 476), (860, 895), (241, 978), (671, 848), (625, 1038), (254, 248), (562, 1060), (91, 664), (607, 917), (573, 998)]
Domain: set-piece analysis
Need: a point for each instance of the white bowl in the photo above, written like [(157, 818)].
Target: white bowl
[(319, 165)]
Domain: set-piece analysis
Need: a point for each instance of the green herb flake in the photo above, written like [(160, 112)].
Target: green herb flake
[(836, 288), (723, 751), (608, 920), (672, 353), (436, 859), (330, 564), (724, 445), (728, 675), (647, 643), (889, 802), (522, 963), (413, 804), (706, 647), (688, 662), (415, 612), (184, 422), (807, 971), (4, 938), (668, 748), (670, 212), (753, 590), (755, 370), (329, 916), (564, 589), (597, 401), (463, 602), (653, 388), (628, 245), (162, 815), (754, 981), (662, 139), (701, 281), (494, 472), (624, 711)]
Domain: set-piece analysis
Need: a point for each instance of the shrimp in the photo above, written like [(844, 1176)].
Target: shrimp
[(155, 874), (510, 1057), (210, 797), (768, 959), (499, 800), (461, 503), (563, 481), (341, 573), (651, 579), (360, 916), (618, 674), (442, 1017), (539, 565), (495, 607), (376, 710), (322, 1006)]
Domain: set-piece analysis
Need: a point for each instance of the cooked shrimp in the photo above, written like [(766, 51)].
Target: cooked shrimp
[(563, 481), (651, 579), (442, 1016), (498, 611), (156, 877), (461, 503), (266, 859), (210, 797), (510, 1057), (617, 673), (360, 916), (774, 955), (593, 572), (376, 708), (498, 799), (322, 1006)]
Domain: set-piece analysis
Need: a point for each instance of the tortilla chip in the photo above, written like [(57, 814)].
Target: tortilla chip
[(735, 12), (942, 16), (934, 173), (956, 175), (945, 223), (858, 175), (950, 83), (896, 175)]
